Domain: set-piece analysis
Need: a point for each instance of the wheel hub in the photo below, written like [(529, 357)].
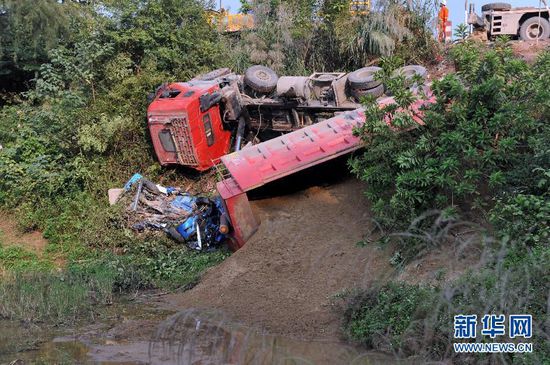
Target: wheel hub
[(534, 31), (262, 75)]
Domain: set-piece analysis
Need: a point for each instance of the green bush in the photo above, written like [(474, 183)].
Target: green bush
[(381, 318), (524, 218), (79, 130), (483, 154), (154, 264), (481, 138), (474, 135), (418, 319)]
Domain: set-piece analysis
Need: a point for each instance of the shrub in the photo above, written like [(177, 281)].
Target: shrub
[(523, 218), (484, 153), (418, 320), (485, 122), (79, 130), (382, 317)]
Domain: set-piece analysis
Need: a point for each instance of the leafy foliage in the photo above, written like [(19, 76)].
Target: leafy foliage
[(400, 28), (461, 31), (80, 130), (418, 319), (379, 318), (483, 153), (30, 30), (305, 36), (487, 120), (524, 218)]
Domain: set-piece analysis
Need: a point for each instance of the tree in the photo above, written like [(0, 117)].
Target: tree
[(30, 29), (173, 33)]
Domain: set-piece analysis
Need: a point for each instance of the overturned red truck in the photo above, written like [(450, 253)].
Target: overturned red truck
[(275, 127)]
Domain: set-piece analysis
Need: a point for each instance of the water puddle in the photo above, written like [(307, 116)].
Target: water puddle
[(188, 338)]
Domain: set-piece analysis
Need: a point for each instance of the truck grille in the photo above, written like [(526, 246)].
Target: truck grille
[(184, 144)]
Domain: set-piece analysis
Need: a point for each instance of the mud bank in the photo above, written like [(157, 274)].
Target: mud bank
[(304, 253), (270, 302)]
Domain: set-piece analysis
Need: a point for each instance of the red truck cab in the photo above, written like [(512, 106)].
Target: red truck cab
[(185, 124)]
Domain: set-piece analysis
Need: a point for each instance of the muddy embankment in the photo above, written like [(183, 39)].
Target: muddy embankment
[(270, 302), (305, 252)]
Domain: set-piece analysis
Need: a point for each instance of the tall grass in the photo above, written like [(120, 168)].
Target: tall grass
[(54, 297), (507, 278)]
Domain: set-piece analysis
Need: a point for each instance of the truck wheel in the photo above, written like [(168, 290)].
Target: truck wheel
[(496, 7), (261, 79), (534, 28), (364, 78), (214, 74), (375, 91), (410, 71)]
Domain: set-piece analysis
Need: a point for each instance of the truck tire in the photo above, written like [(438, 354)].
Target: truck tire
[(410, 71), (496, 7), (534, 28), (214, 74), (376, 91), (261, 79), (364, 78)]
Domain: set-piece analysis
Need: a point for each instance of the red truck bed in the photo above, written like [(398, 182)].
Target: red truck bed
[(271, 160), (255, 166)]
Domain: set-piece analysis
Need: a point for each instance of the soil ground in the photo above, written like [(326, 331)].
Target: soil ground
[(529, 50), (305, 252), (10, 235)]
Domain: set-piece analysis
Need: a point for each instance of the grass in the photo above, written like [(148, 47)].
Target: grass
[(405, 319), (17, 258), (34, 288), (53, 297), (32, 291), (89, 259)]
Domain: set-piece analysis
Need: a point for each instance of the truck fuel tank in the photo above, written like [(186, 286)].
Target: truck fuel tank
[(294, 87)]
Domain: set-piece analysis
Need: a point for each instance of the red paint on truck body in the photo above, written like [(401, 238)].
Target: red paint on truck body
[(271, 160), (182, 133)]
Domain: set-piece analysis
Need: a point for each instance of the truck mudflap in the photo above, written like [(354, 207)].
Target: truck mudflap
[(241, 217)]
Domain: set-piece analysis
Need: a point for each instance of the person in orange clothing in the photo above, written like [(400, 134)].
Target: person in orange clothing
[(443, 18)]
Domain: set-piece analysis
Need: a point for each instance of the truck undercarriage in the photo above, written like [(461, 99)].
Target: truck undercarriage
[(195, 123)]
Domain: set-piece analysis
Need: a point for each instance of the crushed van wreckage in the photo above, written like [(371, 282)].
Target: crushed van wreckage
[(199, 222)]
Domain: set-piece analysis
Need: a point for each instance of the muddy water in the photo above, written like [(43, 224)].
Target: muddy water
[(46, 344), (140, 336)]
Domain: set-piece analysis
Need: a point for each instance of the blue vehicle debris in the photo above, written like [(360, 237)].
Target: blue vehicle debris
[(199, 222)]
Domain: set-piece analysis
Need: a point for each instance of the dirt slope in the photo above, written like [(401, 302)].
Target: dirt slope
[(11, 236), (304, 252)]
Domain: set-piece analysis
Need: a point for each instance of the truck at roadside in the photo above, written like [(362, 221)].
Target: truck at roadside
[(524, 23)]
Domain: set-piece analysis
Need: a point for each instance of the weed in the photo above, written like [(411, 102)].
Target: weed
[(381, 318), (54, 297), (418, 319), (16, 258)]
